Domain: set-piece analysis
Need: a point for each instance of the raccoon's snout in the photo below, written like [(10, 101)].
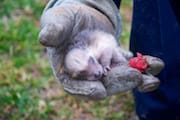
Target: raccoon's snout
[(98, 74)]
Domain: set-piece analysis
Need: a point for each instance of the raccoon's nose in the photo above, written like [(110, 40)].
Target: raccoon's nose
[(98, 74)]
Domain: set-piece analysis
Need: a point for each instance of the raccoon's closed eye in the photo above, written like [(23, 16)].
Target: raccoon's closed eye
[(82, 73), (91, 60)]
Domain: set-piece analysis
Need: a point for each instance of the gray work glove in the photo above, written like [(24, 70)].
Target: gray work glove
[(63, 19)]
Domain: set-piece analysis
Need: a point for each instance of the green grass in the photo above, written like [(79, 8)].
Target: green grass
[(28, 90)]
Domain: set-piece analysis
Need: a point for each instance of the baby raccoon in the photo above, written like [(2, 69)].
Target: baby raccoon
[(93, 56)]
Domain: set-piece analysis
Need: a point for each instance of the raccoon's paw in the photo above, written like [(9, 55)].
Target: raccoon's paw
[(127, 54), (106, 69)]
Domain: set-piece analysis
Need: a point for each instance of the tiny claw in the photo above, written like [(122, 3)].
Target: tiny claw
[(106, 69)]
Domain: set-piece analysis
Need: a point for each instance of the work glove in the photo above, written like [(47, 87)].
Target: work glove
[(64, 19)]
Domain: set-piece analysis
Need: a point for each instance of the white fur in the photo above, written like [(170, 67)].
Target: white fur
[(102, 42), (77, 59)]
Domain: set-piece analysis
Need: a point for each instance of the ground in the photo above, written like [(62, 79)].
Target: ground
[(28, 90)]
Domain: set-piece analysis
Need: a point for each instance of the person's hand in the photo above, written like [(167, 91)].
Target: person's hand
[(125, 75), (154, 67), (62, 22)]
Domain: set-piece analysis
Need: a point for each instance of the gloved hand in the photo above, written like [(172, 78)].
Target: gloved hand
[(61, 21), (121, 77)]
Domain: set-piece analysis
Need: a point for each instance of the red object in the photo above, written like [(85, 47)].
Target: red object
[(139, 62)]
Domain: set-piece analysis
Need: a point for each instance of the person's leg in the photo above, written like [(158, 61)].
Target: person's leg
[(155, 31), (148, 109), (176, 8)]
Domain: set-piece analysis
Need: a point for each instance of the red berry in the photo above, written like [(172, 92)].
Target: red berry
[(139, 62)]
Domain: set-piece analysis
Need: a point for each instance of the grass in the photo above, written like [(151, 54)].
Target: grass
[(28, 89)]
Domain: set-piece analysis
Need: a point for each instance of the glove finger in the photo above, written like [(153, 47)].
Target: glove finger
[(155, 65), (150, 83), (50, 35), (56, 25), (121, 79)]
